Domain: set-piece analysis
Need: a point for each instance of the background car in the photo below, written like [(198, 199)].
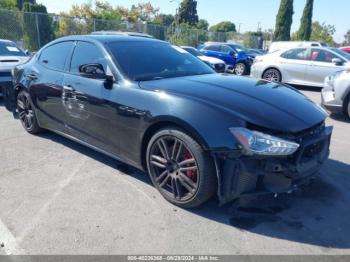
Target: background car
[(300, 66), (345, 49), (336, 93), (282, 45), (10, 56), (158, 108), (218, 65), (234, 55)]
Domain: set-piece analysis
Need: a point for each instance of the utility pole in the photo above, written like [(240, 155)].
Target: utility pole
[(239, 27), (259, 27), (176, 14)]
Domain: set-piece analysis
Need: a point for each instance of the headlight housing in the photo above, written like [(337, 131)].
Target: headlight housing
[(257, 143)]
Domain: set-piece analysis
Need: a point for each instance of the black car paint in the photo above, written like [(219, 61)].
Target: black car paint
[(119, 121)]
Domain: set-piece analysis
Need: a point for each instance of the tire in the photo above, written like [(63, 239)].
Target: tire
[(240, 69), (180, 169), (346, 106), (26, 113), (273, 75)]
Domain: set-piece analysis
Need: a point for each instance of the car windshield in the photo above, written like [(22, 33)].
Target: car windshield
[(238, 48), (193, 51), (342, 53), (152, 60), (10, 49)]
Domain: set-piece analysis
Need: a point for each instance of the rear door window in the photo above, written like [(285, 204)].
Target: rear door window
[(295, 54), (55, 56), (215, 48)]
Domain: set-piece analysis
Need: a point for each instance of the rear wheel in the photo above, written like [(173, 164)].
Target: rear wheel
[(240, 69), (180, 169), (273, 75), (26, 113)]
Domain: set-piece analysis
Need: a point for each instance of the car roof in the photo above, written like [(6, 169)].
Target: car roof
[(111, 32), (104, 38)]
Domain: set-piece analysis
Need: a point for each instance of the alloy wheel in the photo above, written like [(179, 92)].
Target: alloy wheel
[(272, 75), (174, 168), (240, 69), (25, 111)]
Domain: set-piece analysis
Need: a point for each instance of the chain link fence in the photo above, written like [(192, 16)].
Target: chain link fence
[(33, 30)]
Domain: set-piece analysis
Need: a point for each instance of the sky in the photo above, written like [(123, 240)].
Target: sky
[(247, 12)]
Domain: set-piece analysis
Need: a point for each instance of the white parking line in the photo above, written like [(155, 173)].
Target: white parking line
[(8, 241)]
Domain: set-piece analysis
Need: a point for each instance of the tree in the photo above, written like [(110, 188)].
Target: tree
[(188, 12), (323, 33), (225, 26), (305, 29), (347, 38), (284, 21), (20, 3), (11, 22), (202, 24), (164, 19), (8, 4), (37, 26)]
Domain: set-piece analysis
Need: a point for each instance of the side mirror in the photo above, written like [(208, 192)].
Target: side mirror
[(337, 61), (96, 71), (28, 53)]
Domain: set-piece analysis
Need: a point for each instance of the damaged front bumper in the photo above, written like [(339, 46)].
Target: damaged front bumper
[(240, 175)]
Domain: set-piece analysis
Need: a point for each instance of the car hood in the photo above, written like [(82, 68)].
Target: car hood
[(211, 60), (270, 105), (8, 62)]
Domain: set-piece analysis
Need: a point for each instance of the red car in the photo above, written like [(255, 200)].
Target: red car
[(346, 49)]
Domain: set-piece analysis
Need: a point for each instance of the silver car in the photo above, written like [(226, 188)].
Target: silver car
[(10, 56), (336, 93), (301, 66)]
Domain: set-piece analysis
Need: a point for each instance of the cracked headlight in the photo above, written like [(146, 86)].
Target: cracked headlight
[(253, 142)]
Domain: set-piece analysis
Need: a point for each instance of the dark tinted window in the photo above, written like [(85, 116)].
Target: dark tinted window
[(225, 49), (193, 51), (86, 53), (321, 55), (10, 49), (297, 54), (216, 48), (149, 60), (55, 56)]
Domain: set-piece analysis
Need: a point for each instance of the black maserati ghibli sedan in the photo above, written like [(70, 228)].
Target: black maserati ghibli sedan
[(156, 107)]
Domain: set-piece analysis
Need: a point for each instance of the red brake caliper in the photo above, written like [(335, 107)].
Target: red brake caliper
[(190, 173)]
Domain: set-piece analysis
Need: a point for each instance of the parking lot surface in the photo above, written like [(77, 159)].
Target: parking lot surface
[(58, 197)]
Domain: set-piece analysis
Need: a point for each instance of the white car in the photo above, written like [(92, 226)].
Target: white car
[(300, 66), (336, 93), (281, 45), (10, 56), (217, 64)]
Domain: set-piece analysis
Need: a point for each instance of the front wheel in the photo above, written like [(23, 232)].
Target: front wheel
[(272, 75), (180, 169), (240, 69), (26, 113)]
